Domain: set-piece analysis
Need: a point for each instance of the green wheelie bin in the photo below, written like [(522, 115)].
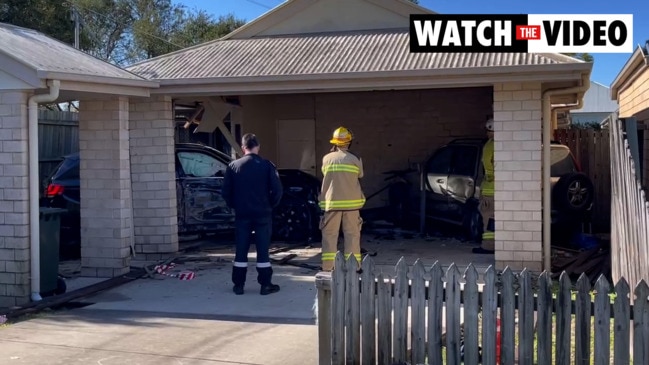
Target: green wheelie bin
[(50, 236)]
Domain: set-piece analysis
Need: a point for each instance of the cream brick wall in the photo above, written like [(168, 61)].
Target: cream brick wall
[(106, 220), (14, 203), (518, 199), (392, 128), (153, 175)]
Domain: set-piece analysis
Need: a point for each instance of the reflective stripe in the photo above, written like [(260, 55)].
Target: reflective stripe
[(328, 256), (487, 192), (340, 168), (240, 264), (488, 235), (342, 204), (263, 264), (357, 255)]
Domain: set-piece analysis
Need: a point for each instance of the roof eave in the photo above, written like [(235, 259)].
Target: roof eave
[(374, 80), (100, 80), (21, 71), (637, 60), (466, 72)]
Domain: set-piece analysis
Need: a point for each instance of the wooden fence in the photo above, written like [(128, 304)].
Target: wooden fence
[(58, 135), (630, 211), (368, 318), (591, 149)]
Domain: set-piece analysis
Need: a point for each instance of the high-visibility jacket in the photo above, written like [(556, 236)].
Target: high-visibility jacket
[(341, 189), (487, 186)]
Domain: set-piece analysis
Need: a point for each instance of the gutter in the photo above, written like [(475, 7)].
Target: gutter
[(463, 72), (34, 223), (548, 113)]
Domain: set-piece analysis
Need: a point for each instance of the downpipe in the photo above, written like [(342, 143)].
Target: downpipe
[(548, 123), (34, 223)]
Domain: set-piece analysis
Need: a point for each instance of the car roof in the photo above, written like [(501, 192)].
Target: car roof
[(182, 146)]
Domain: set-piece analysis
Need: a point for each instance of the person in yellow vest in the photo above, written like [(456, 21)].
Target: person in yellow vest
[(341, 199), (487, 193)]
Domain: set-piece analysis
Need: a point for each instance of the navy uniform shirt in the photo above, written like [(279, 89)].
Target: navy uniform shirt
[(252, 187)]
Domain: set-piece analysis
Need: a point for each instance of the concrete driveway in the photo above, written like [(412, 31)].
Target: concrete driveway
[(164, 320)]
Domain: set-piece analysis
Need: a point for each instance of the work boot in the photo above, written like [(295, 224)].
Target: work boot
[(238, 289), (239, 279), (269, 289)]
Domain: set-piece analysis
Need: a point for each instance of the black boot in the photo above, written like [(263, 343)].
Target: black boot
[(264, 276), (239, 279)]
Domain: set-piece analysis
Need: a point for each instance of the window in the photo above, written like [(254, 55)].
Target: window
[(200, 165), (465, 159), (562, 162), (440, 163)]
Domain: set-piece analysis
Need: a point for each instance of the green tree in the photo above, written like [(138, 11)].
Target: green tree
[(51, 17), (587, 57)]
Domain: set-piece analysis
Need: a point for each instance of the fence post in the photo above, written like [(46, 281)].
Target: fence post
[(323, 287)]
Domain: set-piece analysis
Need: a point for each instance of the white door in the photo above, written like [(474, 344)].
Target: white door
[(296, 144)]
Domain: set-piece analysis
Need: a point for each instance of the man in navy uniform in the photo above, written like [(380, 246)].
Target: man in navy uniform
[(252, 188)]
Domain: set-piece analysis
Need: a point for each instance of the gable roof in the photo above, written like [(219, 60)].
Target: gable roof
[(354, 18), (639, 59), (33, 57), (322, 54)]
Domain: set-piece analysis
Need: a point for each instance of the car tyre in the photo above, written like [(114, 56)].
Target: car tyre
[(292, 222), (573, 193), (472, 224)]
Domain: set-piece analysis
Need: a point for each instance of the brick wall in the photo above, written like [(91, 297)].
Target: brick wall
[(106, 219), (393, 129), (14, 200), (518, 200), (153, 176)]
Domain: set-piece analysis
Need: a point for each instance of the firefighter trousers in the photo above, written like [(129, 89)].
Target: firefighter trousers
[(488, 221), (330, 225)]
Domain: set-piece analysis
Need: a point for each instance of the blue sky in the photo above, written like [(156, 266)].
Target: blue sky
[(606, 66)]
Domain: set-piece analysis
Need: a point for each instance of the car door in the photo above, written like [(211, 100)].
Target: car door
[(464, 169), (437, 173), (460, 185), (201, 206)]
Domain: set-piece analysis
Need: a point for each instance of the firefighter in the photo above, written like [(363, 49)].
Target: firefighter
[(341, 199), (487, 192)]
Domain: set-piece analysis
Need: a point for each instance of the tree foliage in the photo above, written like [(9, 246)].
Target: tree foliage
[(587, 57), (120, 31)]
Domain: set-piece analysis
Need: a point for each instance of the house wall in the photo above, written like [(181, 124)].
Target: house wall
[(634, 98), (393, 129), (518, 164), (14, 200), (634, 101)]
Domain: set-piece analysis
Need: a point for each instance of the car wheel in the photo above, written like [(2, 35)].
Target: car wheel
[(292, 222), (573, 193)]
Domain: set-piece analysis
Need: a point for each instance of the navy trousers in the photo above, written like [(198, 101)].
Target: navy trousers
[(244, 236)]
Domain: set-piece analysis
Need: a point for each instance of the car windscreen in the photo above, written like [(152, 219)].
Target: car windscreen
[(562, 162)]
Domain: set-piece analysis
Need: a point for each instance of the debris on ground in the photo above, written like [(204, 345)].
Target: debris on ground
[(593, 263)]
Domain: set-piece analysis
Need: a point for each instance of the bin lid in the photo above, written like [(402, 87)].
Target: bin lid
[(48, 211)]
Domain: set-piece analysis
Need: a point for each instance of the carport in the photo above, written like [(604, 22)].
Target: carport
[(37, 69), (301, 70)]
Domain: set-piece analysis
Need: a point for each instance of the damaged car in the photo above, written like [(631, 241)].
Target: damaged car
[(201, 208), (453, 171)]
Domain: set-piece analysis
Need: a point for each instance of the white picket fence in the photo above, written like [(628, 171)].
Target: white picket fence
[(367, 318)]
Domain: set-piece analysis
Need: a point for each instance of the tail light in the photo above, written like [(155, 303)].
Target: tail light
[(54, 190)]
